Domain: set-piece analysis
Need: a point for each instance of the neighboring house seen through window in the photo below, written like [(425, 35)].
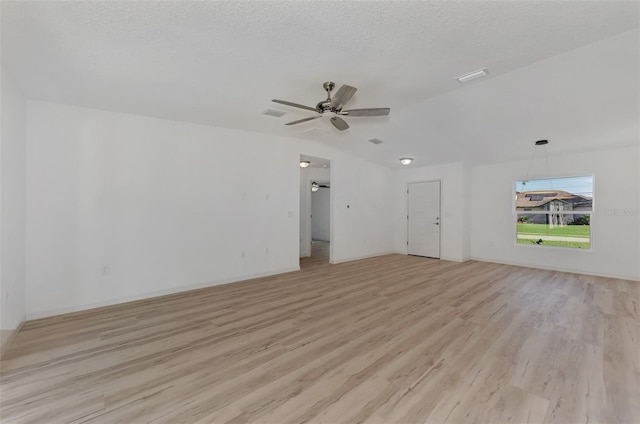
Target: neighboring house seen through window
[(554, 212)]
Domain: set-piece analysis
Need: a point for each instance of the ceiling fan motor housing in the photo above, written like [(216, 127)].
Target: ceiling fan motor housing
[(324, 106)]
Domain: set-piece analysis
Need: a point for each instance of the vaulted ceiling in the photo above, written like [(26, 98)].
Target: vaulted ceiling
[(566, 71)]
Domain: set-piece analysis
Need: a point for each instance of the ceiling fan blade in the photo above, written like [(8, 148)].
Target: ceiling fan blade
[(339, 123), (343, 95), (299, 121), (375, 111), (284, 102)]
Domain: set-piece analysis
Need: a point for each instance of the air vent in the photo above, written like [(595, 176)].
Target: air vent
[(273, 112), (376, 141), (315, 131)]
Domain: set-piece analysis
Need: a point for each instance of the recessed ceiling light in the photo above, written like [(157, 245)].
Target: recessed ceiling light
[(304, 164), (472, 75), (273, 112), (406, 161)]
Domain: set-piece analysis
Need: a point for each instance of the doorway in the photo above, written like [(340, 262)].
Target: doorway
[(315, 211), (320, 220), (423, 219)]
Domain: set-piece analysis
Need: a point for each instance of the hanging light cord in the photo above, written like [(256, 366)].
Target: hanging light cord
[(533, 157)]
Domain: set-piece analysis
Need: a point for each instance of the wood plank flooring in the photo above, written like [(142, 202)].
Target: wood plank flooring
[(319, 255), (394, 339)]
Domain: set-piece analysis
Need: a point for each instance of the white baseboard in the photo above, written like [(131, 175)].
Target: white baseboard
[(446, 258), (357, 258), (573, 271), (148, 295), (442, 258), (7, 336)]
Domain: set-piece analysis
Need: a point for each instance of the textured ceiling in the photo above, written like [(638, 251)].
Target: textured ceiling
[(220, 63)]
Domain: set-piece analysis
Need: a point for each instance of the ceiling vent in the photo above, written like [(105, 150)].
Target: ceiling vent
[(315, 131), (376, 141), (273, 112)]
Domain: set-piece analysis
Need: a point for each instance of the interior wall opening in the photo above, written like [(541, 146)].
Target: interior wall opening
[(315, 211)]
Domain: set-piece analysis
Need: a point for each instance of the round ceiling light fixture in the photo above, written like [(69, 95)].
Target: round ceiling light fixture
[(406, 161), (304, 163)]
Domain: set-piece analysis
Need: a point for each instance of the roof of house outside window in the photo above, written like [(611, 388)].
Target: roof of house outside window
[(534, 199)]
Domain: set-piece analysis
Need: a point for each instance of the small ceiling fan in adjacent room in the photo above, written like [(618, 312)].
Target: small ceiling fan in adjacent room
[(334, 107)]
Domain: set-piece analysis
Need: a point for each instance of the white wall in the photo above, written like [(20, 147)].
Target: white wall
[(361, 210), (305, 212), (320, 210), (12, 205), (453, 230), (615, 222), (122, 207), (466, 217), (164, 207)]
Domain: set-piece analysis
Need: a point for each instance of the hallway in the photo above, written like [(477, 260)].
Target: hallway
[(319, 255)]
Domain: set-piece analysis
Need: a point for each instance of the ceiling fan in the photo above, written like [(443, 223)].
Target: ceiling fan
[(333, 107)]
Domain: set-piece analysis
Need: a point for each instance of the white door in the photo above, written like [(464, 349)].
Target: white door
[(423, 218)]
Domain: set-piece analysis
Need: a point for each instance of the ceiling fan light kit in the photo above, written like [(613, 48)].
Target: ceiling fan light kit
[(333, 107), (315, 186)]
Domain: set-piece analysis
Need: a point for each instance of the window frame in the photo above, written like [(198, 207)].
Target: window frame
[(591, 213)]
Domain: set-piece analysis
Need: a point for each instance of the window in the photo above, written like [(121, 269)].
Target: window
[(554, 212)]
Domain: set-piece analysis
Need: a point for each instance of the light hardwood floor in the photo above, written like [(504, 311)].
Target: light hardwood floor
[(394, 339), (319, 255)]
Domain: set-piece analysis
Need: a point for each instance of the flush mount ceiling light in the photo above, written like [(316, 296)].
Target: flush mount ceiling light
[(304, 164), (406, 161), (472, 75), (542, 142)]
